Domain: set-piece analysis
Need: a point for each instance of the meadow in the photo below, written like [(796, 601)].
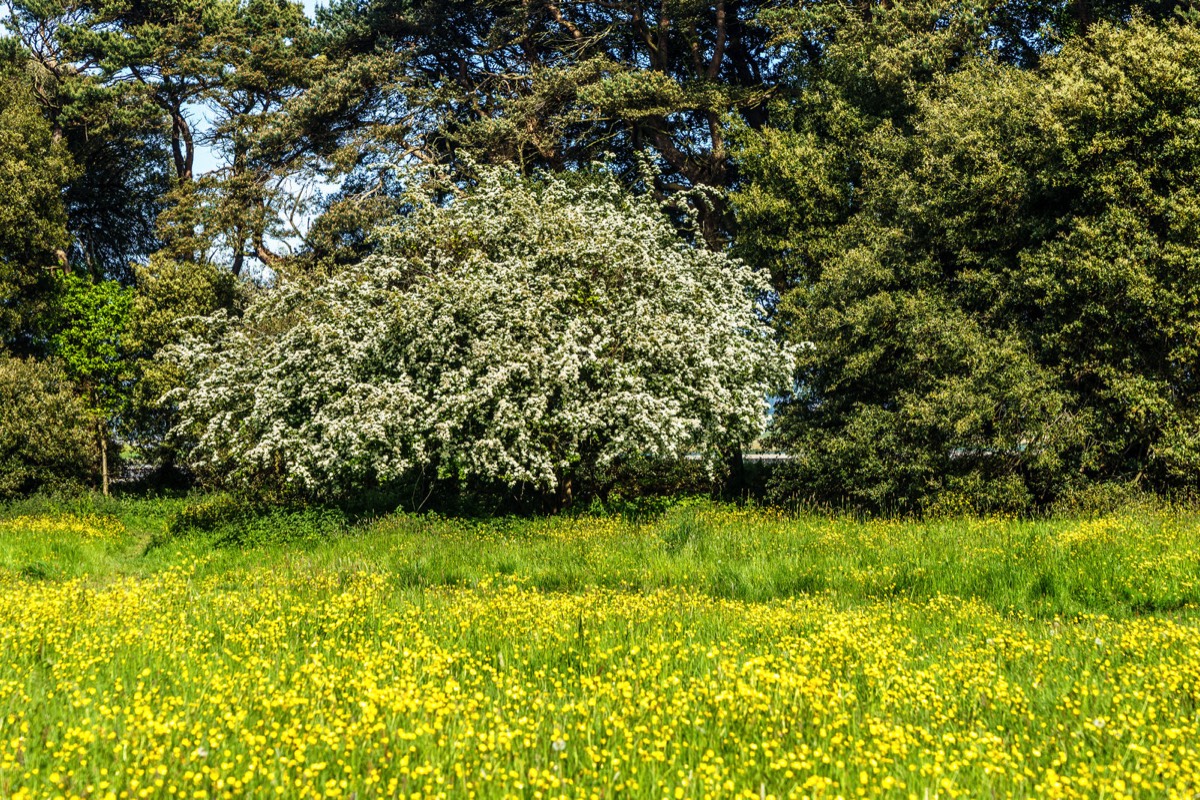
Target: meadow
[(707, 651)]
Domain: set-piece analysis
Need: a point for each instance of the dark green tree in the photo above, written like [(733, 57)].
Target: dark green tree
[(1002, 299), (34, 168), (113, 134), (136, 90), (172, 300), (152, 82), (549, 85), (221, 73)]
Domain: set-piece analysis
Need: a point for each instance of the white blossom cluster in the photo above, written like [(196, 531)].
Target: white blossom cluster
[(525, 331)]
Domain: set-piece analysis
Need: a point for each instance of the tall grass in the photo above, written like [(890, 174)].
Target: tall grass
[(1120, 565), (205, 648)]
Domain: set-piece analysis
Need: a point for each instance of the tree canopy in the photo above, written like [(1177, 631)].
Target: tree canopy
[(976, 221), (34, 167), (1011, 295)]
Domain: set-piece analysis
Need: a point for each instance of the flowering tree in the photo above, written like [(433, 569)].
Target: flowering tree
[(526, 332)]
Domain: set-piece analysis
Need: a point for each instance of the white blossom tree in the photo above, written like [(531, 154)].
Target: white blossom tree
[(526, 332)]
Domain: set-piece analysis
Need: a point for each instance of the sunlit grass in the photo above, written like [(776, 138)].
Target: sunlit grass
[(711, 652)]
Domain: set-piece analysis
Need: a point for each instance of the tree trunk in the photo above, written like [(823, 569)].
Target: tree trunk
[(104, 460), (735, 486), (565, 494)]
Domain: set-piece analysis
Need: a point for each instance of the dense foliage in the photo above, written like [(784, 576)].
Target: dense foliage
[(530, 332), (551, 85), (1010, 306), (34, 166), (979, 215), (48, 437)]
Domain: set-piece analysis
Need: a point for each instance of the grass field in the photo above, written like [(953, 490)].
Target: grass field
[(709, 652)]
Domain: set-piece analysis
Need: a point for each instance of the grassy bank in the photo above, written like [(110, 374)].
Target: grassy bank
[(1120, 565), (707, 652)]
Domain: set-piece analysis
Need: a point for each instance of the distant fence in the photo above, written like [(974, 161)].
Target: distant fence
[(133, 473), (767, 458), (755, 458)]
